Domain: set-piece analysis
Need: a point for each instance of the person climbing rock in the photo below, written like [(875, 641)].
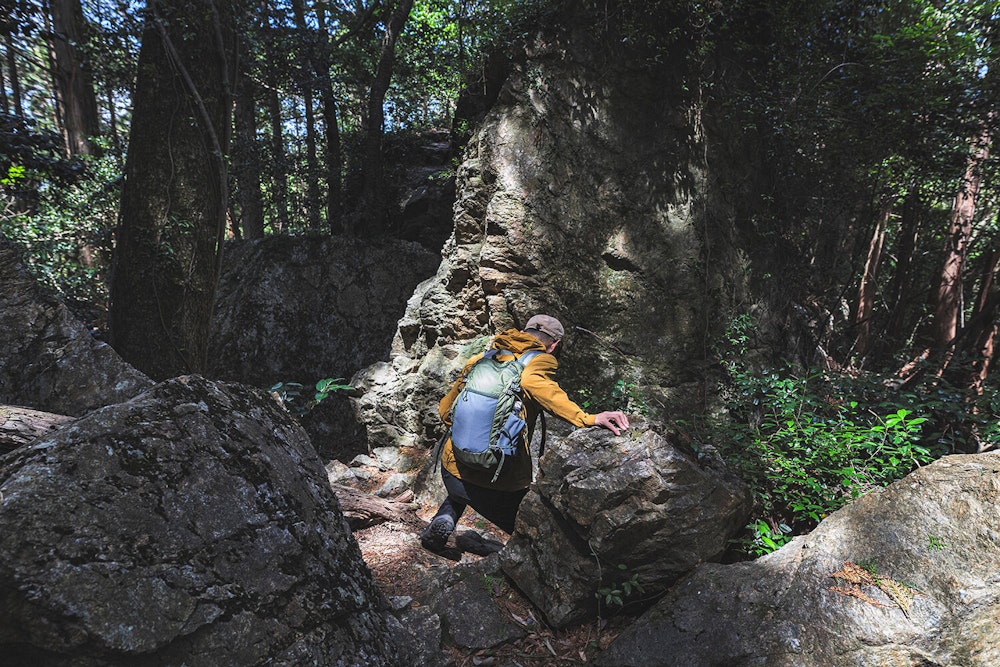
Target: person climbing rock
[(494, 477)]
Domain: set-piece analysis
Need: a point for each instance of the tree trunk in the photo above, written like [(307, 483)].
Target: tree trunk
[(246, 161), (312, 163), (174, 199), (983, 325), (948, 296), (4, 102), (74, 78), (869, 284), (363, 509), (334, 184), (15, 80), (279, 172), (20, 426), (373, 207), (899, 291)]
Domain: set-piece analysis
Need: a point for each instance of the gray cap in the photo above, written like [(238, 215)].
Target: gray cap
[(547, 325)]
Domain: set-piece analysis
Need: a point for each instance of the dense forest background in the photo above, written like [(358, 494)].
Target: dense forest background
[(138, 138)]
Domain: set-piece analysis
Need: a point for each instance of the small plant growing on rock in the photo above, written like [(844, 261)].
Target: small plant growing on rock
[(290, 394)]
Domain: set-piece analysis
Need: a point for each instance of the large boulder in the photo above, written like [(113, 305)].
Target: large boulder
[(903, 576), (191, 525), (606, 509), (581, 193), (300, 308), (50, 361)]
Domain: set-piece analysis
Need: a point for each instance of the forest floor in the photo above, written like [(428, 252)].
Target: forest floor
[(400, 566)]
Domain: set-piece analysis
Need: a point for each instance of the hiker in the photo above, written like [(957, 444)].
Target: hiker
[(497, 493)]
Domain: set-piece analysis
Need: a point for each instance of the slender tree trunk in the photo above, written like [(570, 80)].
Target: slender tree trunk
[(948, 296), (246, 162), (312, 162), (867, 288), (15, 80), (334, 184), (900, 286), (58, 105), (4, 102), (74, 78), (312, 165), (373, 207), (174, 200), (280, 171)]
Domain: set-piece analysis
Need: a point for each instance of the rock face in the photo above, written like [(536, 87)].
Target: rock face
[(601, 502), (305, 308), (581, 194), (50, 361), (300, 309), (933, 542), (191, 525)]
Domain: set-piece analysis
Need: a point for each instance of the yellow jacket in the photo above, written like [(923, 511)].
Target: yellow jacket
[(541, 392)]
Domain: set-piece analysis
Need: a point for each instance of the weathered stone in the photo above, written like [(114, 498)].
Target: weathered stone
[(301, 309), (418, 634), (50, 361), (582, 194), (602, 501), (471, 618), (307, 308), (191, 525), (936, 532)]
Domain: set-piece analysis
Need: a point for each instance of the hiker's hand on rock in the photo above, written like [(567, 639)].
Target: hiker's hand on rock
[(614, 421)]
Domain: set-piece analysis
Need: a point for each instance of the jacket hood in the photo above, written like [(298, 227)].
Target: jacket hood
[(517, 341)]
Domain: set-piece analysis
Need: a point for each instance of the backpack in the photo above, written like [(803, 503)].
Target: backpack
[(486, 421)]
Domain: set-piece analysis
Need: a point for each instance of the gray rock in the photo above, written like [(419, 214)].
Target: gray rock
[(395, 485), (191, 525), (50, 361), (936, 532), (386, 457), (607, 508), (469, 615), (587, 201), (301, 309), (348, 296), (417, 632), (338, 473), (363, 461)]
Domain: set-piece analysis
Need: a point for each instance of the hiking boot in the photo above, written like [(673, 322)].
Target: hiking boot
[(435, 536), (474, 543)]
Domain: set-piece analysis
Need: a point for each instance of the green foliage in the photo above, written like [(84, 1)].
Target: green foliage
[(65, 224), (935, 543), (494, 585), (616, 594), (290, 394), (766, 538), (809, 443), (623, 395)]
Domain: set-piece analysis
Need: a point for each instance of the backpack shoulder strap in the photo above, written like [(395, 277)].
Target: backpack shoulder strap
[(526, 357)]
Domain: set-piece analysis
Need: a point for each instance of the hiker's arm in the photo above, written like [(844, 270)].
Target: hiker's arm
[(538, 381)]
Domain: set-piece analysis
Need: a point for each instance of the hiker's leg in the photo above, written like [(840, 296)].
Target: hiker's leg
[(435, 536), (498, 507), (458, 499)]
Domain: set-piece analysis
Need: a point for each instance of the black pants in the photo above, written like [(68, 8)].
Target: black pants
[(499, 507)]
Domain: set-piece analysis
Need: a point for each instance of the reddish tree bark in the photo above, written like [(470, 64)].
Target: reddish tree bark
[(949, 295), (869, 285), (73, 77)]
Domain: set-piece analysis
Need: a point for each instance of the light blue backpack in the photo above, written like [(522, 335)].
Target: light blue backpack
[(486, 417)]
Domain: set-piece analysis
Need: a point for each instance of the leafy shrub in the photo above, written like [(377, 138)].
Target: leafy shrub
[(808, 443), (290, 393)]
